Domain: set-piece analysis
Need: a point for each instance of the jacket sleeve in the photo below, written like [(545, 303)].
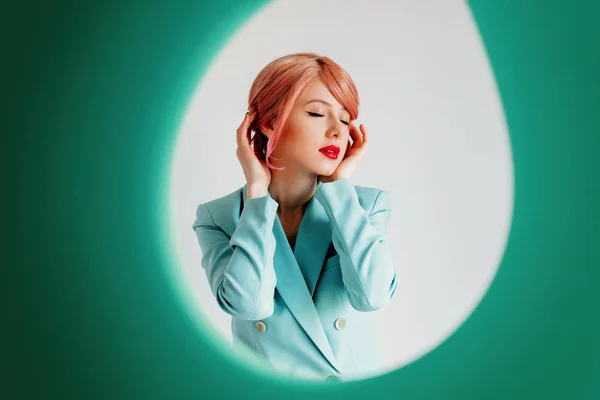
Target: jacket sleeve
[(360, 238), (240, 269)]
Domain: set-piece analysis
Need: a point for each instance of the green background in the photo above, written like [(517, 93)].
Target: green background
[(94, 94)]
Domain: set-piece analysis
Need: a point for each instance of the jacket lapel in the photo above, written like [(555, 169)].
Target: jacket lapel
[(293, 268), (312, 242)]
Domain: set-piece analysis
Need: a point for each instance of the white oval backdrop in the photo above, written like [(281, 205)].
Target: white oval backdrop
[(439, 146)]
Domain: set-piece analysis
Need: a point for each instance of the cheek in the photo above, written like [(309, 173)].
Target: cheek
[(303, 137), (294, 144)]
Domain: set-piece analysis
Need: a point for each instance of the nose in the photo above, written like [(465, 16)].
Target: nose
[(335, 130), (332, 133)]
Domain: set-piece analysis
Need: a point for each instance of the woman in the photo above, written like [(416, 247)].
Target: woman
[(298, 253)]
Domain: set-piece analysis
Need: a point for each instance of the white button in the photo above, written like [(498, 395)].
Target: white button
[(261, 326), (340, 324)]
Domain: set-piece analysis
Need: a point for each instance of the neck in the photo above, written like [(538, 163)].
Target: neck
[(292, 191)]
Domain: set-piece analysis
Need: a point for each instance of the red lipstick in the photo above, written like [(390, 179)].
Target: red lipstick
[(330, 151)]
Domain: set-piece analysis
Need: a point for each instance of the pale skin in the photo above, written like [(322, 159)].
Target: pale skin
[(317, 120)]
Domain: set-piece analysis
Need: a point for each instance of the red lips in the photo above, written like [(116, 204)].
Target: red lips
[(330, 151), (330, 148)]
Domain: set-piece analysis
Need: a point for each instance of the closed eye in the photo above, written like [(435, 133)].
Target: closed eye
[(312, 114)]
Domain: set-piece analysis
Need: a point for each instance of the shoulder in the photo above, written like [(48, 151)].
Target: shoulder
[(225, 201), (221, 209), (339, 191), (371, 198)]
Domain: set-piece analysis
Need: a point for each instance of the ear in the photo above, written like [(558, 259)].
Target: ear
[(268, 130)]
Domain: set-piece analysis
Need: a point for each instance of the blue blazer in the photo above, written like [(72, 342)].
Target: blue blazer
[(301, 309)]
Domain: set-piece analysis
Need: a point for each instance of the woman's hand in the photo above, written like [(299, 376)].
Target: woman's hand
[(354, 153), (257, 173)]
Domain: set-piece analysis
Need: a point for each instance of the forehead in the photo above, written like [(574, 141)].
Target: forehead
[(317, 90)]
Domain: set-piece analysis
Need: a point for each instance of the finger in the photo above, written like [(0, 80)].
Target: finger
[(356, 136), (248, 118), (243, 137), (239, 131), (365, 135), (359, 142), (348, 148), (351, 131)]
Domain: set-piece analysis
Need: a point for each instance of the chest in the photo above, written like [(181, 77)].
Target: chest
[(290, 226)]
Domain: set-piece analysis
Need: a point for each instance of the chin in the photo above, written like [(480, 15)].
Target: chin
[(325, 168), (325, 171)]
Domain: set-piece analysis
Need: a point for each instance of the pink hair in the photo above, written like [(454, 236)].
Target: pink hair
[(278, 85)]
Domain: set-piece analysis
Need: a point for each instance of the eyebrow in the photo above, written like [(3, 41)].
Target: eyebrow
[(323, 102)]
